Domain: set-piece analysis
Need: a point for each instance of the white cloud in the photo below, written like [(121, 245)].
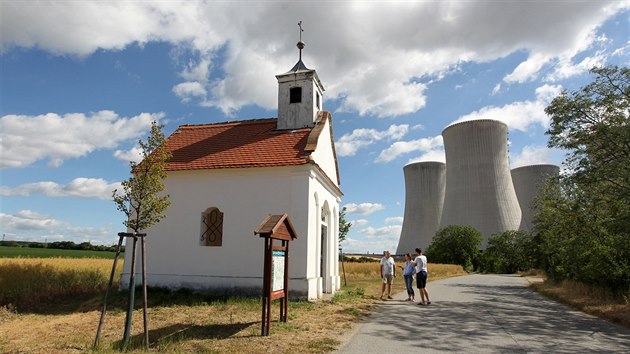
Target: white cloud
[(189, 90), (197, 71), (373, 240), (431, 155), (28, 225), (566, 68), (418, 127), (363, 208), (359, 222), (134, 154), (27, 220), (528, 69), (496, 89), (26, 139), (534, 155), (356, 245), (404, 147), (78, 187), (349, 144), (519, 115), (391, 232), (394, 219), (379, 70)]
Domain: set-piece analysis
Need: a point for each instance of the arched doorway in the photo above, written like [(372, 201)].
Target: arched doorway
[(324, 268)]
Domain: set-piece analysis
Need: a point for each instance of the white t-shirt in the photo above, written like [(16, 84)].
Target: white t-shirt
[(388, 265), (421, 263)]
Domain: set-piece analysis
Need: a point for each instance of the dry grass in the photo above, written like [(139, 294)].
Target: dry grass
[(589, 299), (192, 323), (367, 276), (29, 282)]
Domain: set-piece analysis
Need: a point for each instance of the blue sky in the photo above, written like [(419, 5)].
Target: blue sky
[(80, 83)]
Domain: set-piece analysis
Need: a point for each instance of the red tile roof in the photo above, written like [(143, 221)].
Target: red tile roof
[(246, 143)]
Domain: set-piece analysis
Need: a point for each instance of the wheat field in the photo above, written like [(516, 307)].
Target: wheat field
[(28, 282)]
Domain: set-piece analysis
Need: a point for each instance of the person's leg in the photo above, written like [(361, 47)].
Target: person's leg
[(383, 289), (421, 290), (427, 295), (389, 288), (410, 287), (422, 283)]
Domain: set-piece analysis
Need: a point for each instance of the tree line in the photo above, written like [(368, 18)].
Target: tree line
[(62, 245), (582, 221)]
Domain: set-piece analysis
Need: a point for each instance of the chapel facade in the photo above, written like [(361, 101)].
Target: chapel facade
[(224, 178)]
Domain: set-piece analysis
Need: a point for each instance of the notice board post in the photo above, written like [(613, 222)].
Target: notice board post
[(277, 231)]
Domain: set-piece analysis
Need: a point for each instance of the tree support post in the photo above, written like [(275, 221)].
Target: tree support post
[(109, 287), (132, 290)]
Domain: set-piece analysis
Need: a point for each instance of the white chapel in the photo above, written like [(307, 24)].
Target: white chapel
[(225, 178)]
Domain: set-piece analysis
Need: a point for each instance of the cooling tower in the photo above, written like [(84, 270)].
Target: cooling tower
[(528, 182), (479, 190), (424, 197)]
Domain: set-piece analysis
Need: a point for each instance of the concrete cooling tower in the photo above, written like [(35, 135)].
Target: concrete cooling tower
[(528, 181), (479, 190), (424, 197)]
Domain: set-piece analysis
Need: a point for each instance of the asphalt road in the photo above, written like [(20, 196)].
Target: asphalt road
[(484, 313)]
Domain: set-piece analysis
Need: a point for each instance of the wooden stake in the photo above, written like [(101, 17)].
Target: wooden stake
[(132, 291), (144, 294), (109, 286)]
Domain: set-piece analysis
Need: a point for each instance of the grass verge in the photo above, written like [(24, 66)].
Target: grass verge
[(595, 301), (186, 322)]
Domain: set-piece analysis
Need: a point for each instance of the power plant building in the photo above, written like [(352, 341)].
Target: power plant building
[(474, 188), (424, 197), (528, 183)]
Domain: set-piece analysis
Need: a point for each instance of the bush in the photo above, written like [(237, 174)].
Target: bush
[(455, 244), (509, 252)]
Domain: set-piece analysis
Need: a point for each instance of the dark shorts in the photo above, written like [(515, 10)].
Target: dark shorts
[(421, 279)]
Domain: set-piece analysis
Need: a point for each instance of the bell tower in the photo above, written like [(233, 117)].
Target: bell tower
[(300, 94)]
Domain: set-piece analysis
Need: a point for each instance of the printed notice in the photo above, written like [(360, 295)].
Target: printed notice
[(277, 271)]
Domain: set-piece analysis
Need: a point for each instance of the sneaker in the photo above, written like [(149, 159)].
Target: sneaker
[(428, 302), (421, 303), (389, 297)]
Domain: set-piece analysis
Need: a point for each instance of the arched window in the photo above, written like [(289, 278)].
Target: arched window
[(212, 227)]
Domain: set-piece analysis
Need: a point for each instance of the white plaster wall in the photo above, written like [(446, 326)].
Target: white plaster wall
[(175, 257), (323, 195), (297, 115), (323, 155)]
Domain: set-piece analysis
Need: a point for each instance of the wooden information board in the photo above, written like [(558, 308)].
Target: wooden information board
[(276, 265)]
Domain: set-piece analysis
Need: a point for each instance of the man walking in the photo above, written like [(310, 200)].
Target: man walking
[(388, 273), (421, 276)]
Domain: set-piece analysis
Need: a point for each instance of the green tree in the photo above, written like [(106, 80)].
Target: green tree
[(141, 200), (509, 252), (582, 226), (455, 244), (593, 125), (344, 225)]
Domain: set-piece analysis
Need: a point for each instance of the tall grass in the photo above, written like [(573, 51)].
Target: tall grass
[(372, 270), (367, 276), (594, 300), (26, 282)]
